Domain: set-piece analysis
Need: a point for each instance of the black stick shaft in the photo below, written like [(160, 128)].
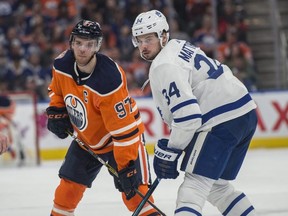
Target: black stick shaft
[(146, 198)]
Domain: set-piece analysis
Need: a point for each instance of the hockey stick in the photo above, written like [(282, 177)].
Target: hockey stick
[(115, 173), (146, 198)]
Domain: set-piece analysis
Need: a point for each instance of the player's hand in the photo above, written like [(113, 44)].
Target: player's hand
[(165, 160), (58, 121), (128, 180)]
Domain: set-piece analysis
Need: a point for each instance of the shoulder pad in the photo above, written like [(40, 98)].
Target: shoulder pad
[(65, 62), (107, 76)]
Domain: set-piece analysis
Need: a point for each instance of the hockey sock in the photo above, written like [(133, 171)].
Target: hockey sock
[(228, 201), (67, 196), (192, 195), (134, 202)]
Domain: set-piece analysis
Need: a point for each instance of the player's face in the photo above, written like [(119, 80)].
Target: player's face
[(83, 49), (149, 46)]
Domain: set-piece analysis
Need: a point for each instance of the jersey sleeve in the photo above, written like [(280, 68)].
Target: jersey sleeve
[(54, 91), (174, 98)]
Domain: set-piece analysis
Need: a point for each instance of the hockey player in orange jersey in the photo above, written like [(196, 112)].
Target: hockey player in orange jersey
[(7, 109), (89, 97)]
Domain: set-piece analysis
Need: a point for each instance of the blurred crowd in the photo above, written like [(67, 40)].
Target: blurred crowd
[(34, 32)]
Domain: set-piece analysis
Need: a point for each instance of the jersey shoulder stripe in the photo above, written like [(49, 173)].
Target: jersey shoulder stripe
[(65, 62), (106, 77)]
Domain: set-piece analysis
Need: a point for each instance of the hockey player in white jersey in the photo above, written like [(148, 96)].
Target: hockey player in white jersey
[(210, 114)]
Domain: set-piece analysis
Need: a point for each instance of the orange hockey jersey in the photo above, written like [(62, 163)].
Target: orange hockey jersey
[(99, 106)]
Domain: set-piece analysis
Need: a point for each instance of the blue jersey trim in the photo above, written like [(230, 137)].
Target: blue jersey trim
[(233, 203), (182, 104), (188, 209), (187, 118), (226, 108), (246, 212)]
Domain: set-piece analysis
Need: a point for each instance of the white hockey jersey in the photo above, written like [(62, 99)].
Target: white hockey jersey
[(193, 92)]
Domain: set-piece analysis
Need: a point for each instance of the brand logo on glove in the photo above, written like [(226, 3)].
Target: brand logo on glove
[(58, 116), (162, 155), (133, 172)]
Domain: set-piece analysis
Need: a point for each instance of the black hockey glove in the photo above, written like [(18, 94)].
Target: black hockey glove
[(128, 180), (165, 160), (58, 121)]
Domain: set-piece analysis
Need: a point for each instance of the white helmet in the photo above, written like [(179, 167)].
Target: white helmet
[(149, 22)]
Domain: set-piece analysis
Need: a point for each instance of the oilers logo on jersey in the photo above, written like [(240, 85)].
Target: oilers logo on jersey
[(77, 111)]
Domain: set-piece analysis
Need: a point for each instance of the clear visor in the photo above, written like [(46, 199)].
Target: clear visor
[(87, 44), (148, 40)]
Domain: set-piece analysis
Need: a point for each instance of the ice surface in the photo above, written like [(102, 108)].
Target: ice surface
[(28, 191)]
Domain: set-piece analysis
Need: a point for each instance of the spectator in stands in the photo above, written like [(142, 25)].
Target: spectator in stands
[(133, 88), (191, 13), (232, 47), (125, 45), (38, 78), (238, 55), (47, 24), (3, 69), (244, 72), (138, 68), (50, 8), (131, 9), (114, 53), (6, 11), (17, 68), (176, 32), (205, 37), (230, 15), (58, 39), (121, 28), (88, 10), (11, 37)]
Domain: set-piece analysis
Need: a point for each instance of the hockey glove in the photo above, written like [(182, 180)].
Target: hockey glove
[(165, 160), (128, 180), (58, 121)]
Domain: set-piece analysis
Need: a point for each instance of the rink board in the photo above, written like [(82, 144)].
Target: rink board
[(272, 129)]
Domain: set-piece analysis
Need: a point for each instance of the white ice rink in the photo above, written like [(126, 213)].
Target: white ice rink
[(28, 191)]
